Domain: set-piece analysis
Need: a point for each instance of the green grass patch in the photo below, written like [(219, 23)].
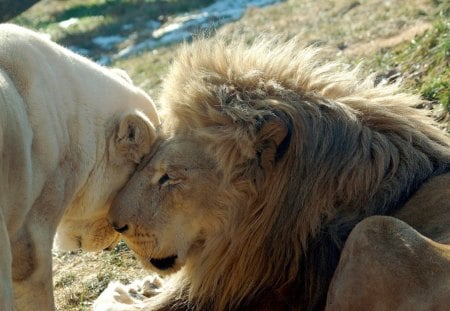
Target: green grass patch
[(438, 90), (424, 63)]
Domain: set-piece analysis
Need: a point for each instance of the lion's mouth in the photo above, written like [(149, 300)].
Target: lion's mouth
[(164, 263)]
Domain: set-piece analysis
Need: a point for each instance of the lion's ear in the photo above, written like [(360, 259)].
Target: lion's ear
[(135, 136), (272, 140)]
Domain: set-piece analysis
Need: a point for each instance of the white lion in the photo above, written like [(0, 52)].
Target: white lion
[(71, 134)]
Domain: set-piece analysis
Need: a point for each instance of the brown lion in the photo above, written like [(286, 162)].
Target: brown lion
[(269, 161), (388, 265)]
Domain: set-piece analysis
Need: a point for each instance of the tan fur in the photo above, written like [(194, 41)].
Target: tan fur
[(71, 134), (271, 158), (387, 265)]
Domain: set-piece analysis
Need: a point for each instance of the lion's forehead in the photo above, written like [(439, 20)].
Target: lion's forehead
[(181, 153)]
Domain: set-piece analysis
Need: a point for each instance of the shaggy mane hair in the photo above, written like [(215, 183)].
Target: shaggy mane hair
[(346, 150)]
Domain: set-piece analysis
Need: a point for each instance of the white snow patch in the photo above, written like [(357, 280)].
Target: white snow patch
[(68, 22), (181, 27), (107, 42)]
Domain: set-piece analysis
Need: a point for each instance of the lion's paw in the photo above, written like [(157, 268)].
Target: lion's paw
[(119, 297), (151, 286), (115, 297)]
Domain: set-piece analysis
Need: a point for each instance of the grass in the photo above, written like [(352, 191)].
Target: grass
[(424, 64), (80, 277), (403, 38), (436, 79)]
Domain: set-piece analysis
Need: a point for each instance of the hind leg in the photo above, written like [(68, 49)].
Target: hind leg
[(388, 265)]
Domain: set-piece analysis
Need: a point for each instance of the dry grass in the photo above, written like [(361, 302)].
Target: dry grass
[(350, 29), (79, 277)]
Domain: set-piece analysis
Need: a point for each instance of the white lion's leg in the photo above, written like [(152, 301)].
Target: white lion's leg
[(387, 265), (6, 294), (32, 269), (36, 290)]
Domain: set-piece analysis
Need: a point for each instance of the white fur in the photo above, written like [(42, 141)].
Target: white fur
[(119, 297), (65, 152)]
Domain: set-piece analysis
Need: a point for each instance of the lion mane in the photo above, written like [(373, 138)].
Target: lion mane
[(307, 150)]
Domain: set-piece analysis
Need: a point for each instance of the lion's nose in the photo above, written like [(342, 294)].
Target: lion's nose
[(119, 228)]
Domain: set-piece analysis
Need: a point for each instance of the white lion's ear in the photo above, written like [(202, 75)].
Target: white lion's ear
[(272, 140), (135, 136)]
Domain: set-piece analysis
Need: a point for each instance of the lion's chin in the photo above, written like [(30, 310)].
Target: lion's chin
[(163, 265)]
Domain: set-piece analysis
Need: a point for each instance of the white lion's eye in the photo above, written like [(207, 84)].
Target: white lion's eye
[(164, 178)]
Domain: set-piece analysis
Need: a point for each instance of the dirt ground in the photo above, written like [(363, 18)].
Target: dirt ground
[(349, 27)]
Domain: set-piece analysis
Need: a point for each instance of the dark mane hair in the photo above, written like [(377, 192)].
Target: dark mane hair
[(342, 149)]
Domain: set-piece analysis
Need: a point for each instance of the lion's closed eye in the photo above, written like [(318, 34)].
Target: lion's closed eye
[(169, 180), (164, 178)]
